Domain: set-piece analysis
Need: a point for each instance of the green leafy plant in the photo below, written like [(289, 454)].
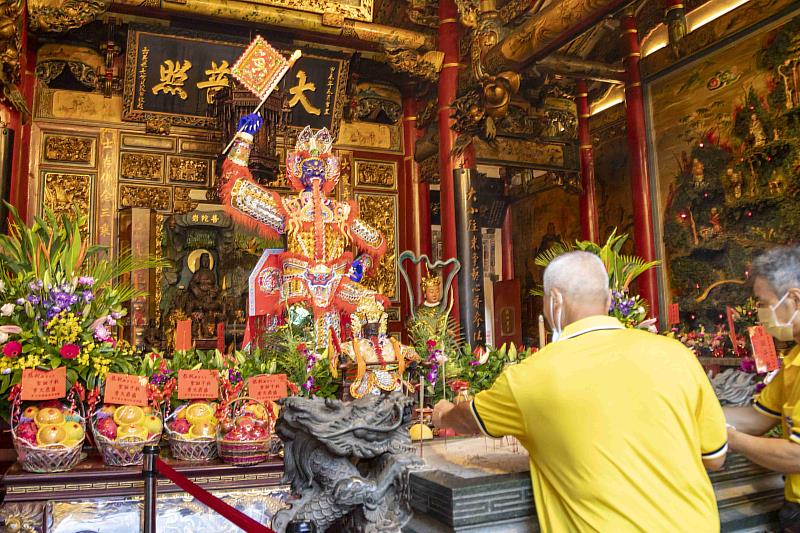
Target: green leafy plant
[(622, 269)]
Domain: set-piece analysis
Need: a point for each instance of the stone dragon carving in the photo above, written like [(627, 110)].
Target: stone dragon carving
[(347, 462)]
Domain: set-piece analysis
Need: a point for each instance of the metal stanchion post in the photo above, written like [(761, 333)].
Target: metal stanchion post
[(150, 477)]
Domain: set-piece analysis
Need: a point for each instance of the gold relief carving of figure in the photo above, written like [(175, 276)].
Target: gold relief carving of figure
[(298, 93), (68, 149), (188, 170), (157, 198), (379, 211), (182, 202), (65, 192), (142, 166), (757, 135), (173, 76), (375, 173)]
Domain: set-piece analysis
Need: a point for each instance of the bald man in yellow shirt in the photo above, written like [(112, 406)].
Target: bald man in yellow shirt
[(620, 424)]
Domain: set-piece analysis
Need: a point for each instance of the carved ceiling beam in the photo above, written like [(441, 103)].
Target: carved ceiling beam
[(575, 67), (335, 25), (546, 31), (62, 15)]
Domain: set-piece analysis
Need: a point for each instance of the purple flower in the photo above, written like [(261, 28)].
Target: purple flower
[(88, 296), (309, 383), (433, 375), (20, 301), (87, 281), (234, 376), (116, 315), (33, 299)]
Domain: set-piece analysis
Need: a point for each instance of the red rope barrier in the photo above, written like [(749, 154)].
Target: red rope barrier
[(236, 517)]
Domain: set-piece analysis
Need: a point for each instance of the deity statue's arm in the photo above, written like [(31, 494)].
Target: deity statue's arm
[(245, 201), (365, 237)]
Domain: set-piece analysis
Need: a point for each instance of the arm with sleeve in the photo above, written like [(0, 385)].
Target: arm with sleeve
[(496, 410)]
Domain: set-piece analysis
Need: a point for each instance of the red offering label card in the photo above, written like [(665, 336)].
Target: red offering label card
[(673, 314), (43, 384), (125, 389), (763, 349), (183, 335), (198, 385), (268, 387)]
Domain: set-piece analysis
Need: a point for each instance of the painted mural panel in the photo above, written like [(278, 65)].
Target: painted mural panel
[(725, 132)]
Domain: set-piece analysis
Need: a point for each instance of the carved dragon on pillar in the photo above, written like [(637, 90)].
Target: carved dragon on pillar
[(10, 51)]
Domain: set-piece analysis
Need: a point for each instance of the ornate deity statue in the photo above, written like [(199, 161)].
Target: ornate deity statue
[(317, 268), (431, 311), (380, 360), (203, 301), (347, 462), (715, 220)]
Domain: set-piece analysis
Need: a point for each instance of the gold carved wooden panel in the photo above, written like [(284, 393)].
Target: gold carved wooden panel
[(154, 197), (188, 170), (69, 149), (376, 174), (380, 211), (141, 166), (65, 191)]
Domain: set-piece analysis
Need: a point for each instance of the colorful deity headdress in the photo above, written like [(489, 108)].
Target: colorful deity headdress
[(312, 160), (431, 280)]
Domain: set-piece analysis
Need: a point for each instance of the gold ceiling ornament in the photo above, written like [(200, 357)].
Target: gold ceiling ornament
[(425, 66), (10, 50), (423, 13), (84, 63), (61, 15)]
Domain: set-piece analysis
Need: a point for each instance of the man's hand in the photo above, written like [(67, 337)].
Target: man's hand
[(457, 417), (440, 410)]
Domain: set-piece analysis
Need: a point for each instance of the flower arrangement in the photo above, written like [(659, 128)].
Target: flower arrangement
[(61, 302)]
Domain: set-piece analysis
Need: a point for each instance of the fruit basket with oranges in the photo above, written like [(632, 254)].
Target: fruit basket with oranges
[(191, 431), (48, 437), (122, 431), (243, 437)]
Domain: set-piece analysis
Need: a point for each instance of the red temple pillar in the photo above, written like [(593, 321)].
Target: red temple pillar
[(413, 227), (590, 226), (448, 83), (637, 160)]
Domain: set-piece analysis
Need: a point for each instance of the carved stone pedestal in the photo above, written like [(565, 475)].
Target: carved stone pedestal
[(455, 498)]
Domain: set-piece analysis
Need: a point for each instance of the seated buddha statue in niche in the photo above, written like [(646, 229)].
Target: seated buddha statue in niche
[(203, 302)]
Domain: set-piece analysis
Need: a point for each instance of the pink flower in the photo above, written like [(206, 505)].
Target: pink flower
[(70, 351), (11, 330), (101, 333), (12, 349), (431, 344)]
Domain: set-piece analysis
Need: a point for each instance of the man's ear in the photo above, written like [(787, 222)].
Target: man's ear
[(794, 296)]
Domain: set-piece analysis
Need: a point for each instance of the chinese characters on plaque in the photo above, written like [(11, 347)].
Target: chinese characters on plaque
[(125, 389), (198, 385), (176, 75), (268, 387), (469, 247), (44, 384)]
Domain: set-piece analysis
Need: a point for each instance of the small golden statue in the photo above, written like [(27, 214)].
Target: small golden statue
[(380, 360)]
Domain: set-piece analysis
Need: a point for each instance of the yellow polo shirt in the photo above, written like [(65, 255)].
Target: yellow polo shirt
[(779, 400), (616, 422)]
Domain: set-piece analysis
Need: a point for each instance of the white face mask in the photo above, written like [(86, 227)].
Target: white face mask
[(556, 322), (767, 317)]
